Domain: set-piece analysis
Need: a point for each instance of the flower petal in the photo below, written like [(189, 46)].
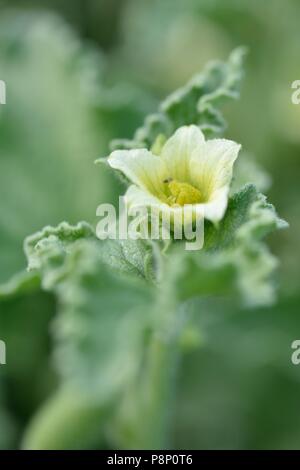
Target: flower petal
[(136, 198), (178, 150), (144, 169), (211, 168), (215, 209)]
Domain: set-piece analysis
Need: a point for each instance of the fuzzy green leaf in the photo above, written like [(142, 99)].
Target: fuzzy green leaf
[(102, 320), (19, 284), (101, 327), (102, 313), (130, 257), (248, 216), (234, 258), (46, 250), (195, 103)]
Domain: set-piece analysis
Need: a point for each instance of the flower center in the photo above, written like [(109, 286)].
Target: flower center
[(182, 193)]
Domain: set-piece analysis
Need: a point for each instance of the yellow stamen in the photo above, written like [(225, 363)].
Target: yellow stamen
[(182, 193)]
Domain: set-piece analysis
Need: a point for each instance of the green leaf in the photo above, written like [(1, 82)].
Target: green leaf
[(130, 256), (46, 250), (102, 321), (195, 103), (248, 216), (234, 259), (102, 313), (101, 327), (19, 284), (196, 274), (101, 333)]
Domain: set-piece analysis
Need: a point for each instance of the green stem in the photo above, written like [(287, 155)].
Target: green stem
[(69, 420), (157, 391), (143, 421)]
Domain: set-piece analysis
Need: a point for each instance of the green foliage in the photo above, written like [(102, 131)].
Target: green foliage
[(234, 258), (101, 326), (122, 305), (97, 304), (195, 103), (130, 257), (106, 320), (102, 331), (69, 420), (27, 377), (248, 217), (47, 250), (49, 132)]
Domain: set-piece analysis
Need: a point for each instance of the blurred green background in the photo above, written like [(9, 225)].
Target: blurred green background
[(82, 72)]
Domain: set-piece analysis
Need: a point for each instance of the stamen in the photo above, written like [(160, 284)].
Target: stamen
[(182, 193)]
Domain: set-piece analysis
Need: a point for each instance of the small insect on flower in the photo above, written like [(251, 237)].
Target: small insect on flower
[(187, 171)]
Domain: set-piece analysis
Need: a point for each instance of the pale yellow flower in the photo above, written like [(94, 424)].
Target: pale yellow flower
[(188, 171)]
